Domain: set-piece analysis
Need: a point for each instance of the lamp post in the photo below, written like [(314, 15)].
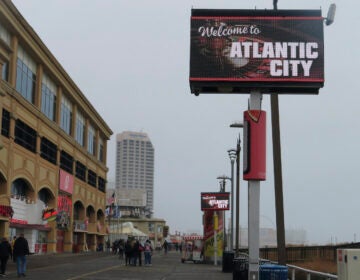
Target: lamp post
[(223, 179), (238, 149), (232, 155)]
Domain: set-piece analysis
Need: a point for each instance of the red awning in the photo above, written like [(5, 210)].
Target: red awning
[(31, 226), (193, 237)]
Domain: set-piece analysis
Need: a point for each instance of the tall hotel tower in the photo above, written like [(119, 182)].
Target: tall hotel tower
[(135, 164)]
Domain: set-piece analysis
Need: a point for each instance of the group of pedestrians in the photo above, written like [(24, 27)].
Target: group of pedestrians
[(17, 251), (131, 251)]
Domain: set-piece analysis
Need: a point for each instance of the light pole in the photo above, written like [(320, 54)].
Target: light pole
[(232, 155), (223, 179), (238, 149)]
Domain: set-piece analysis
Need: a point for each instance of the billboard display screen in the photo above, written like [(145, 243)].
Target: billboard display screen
[(240, 50), (215, 201)]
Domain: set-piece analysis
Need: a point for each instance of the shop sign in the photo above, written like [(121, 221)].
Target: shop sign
[(64, 212), (6, 211), (63, 220), (49, 214), (18, 221), (66, 182), (80, 226)]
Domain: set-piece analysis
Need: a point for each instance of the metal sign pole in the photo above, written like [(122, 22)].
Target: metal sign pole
[(254, 208)]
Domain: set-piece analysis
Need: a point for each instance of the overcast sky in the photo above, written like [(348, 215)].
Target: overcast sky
[(131, 60)]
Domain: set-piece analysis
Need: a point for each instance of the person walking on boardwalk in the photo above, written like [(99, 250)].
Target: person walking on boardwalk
[(135, 252), (121, 250), (21, 249), (5, 253), (140, 249), (147, 252), (165, 246), (128, 252), (12, 242)]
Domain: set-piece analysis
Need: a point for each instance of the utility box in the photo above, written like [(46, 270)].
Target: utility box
[(348, 264)]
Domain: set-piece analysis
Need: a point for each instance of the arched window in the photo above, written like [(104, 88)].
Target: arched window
[(19, 187)]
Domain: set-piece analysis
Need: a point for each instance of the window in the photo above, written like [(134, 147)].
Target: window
[(5, 126), (151, 227), (101, 150), (25, 136), (25, 75), (48, 98), (48, 150), (66, 115), (80, 128), (19, 187), (101, 182), (5, 72), (91, 140), (80, 171), (66, 162), (91, 178), (5, 35)]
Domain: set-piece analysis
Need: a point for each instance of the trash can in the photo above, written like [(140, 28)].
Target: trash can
[(240, 268), (273, 272), (227, 261)]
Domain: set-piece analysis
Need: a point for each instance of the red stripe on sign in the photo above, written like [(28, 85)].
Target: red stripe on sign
[(256, 17), (257, 80)]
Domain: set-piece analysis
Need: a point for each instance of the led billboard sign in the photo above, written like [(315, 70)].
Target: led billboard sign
[(215, 201), (236, 51)]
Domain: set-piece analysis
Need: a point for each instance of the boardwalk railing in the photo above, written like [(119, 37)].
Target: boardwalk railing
[(292, 269), (309, 273)]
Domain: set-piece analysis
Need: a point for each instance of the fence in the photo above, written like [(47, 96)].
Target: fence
[(302, 253), (305, 253), (309, 273)]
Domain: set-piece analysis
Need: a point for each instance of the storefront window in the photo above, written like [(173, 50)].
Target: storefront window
[(41, 237)]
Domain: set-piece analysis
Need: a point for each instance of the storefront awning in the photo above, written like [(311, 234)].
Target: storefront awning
[(31, 226)]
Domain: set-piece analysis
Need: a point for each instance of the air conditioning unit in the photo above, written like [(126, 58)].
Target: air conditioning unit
[(348, 264)]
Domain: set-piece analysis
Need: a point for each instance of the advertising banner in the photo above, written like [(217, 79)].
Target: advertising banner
[(209, 235), (239, 50), (218, 201), (64, 207), (66, 182)]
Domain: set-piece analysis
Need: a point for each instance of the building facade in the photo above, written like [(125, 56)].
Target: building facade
[(153, 228), (53, 147), (135, 164)]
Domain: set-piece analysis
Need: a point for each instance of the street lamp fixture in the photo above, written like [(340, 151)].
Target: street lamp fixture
[(223, 179), (237, 224), (222, 182), (233, 155)]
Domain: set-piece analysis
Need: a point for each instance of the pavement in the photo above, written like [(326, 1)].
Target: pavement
[(101, 265)]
